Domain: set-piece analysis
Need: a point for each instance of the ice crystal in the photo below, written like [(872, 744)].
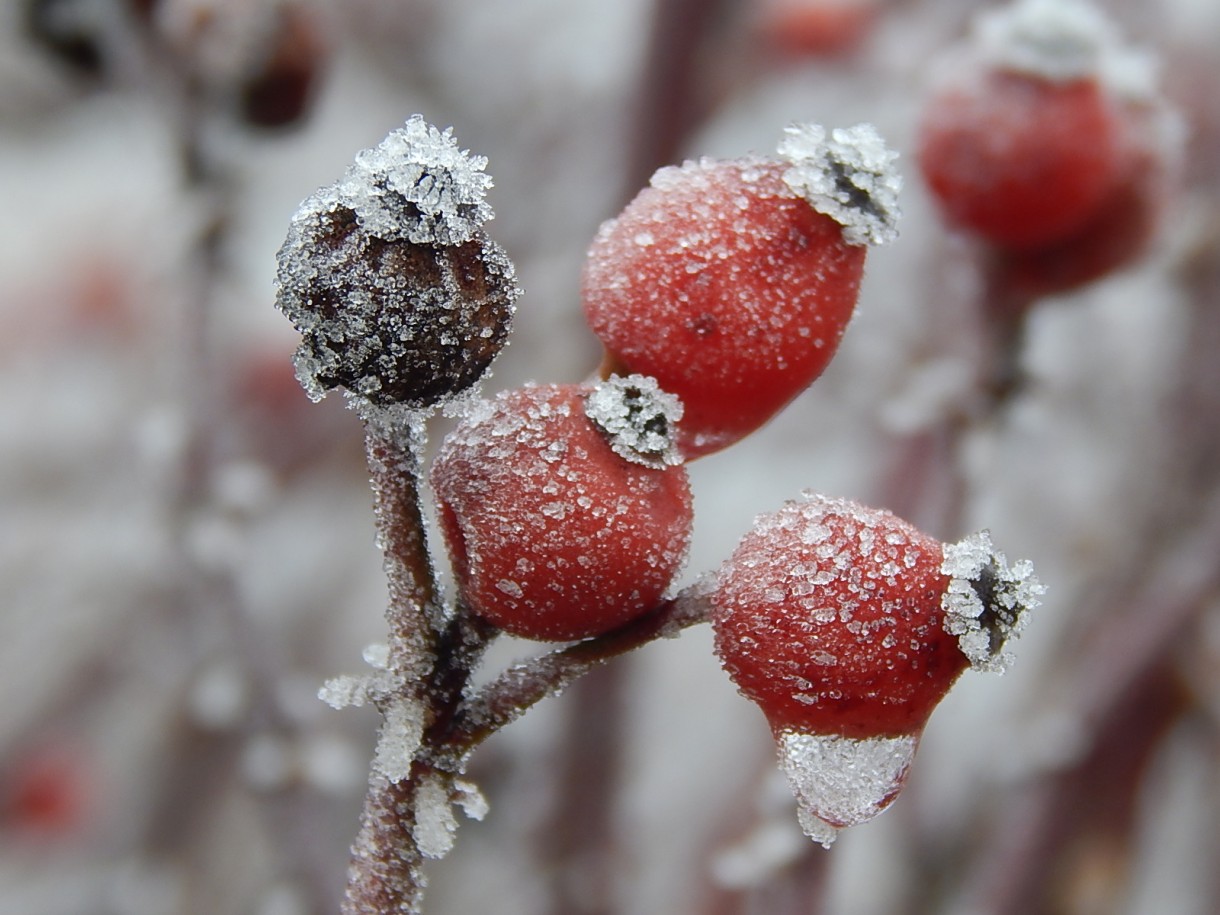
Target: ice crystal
[(401, 733), (987, 600), (435, 823), (847, 174), (638, 419), (468, 796), (418, 186), (840, 781), (1061, 41)]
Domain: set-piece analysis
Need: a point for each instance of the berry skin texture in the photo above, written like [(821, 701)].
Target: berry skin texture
[(1017, 159), (828, 615), (553, 534), (728, 288), (399, 295)]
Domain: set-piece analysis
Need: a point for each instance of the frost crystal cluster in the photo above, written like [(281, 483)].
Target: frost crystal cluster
[(1063, 40), (399, 295), (848, 174), (638, 419), (419, 186), (842, 781), (986, 601)]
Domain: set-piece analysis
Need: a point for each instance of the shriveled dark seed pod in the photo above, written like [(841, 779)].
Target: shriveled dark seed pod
[(399, 294)]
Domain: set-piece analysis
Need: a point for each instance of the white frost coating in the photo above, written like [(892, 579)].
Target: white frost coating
[(1063, 40), (435, 823), (377, 656), (341, 692), (638, 419), (848, 174), (419, 186), (400, 736), (840, 781), (987, 601), (468, 796)]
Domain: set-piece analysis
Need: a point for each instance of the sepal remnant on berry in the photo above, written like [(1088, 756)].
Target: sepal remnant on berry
[(847, 174), (1062, 41), (417, 185), (637, 418), (987, 601)]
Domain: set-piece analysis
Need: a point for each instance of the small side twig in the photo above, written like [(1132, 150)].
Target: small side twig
[(519, 688)]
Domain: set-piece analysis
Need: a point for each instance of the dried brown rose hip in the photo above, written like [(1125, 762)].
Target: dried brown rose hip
[(399, 294)]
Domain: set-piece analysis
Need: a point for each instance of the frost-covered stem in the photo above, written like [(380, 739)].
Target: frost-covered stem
[(519, 688), (434, 654), (414, 614), (386, 873)]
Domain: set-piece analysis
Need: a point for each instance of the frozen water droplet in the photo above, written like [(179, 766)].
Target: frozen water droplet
[(843, 781)]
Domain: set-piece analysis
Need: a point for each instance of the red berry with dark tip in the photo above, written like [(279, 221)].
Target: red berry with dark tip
[(732, 282), (564, 508), (840, 619), (847, 626)]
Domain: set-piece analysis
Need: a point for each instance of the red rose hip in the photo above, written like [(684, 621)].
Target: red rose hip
[(1045, 138), (731, 282), (564, 507), (847, 626)]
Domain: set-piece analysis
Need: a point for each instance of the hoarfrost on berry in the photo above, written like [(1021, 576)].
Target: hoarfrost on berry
[(986, 601), (842, 781), (399, 295), (848, 174), (417, 185), (638, 419), (1062, 41)]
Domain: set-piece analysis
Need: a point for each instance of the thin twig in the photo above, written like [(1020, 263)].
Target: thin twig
[(519, 688)]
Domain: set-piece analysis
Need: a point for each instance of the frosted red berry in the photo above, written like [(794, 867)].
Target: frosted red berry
[(1031, 140), (564, 507), (732, 282), (828, 616), (1123, 224), (1017, 159), (847, 626)]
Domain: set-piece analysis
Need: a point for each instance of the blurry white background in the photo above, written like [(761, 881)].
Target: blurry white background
[(186, 543)]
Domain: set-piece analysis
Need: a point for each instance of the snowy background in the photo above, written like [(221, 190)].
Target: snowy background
[(186, 543)]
